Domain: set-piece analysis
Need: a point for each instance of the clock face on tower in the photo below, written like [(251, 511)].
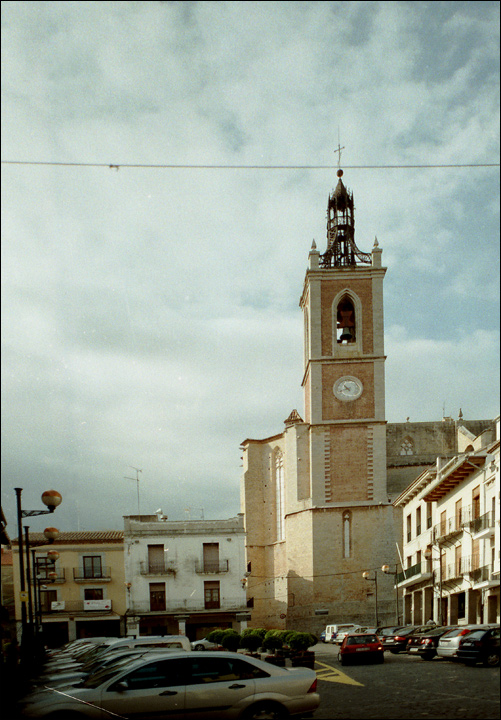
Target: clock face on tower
[(348, 388)]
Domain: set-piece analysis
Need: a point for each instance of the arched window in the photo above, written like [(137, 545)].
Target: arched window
[(279, 494), (346, 326), (407, 446), (347, 534)]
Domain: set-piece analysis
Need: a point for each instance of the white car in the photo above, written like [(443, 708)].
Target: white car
[(203, 644), (183, 685), (342, 631), (449, 643)]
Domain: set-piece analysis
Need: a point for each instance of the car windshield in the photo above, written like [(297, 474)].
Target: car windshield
[(477, 634), (361, 639)]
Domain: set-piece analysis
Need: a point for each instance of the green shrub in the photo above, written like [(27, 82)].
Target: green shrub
[(216, 636), (251, 639), (231, 640), (272, 640), (300, 641)]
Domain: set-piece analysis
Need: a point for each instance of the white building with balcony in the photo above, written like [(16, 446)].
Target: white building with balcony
[(450, 545), (184, 577)]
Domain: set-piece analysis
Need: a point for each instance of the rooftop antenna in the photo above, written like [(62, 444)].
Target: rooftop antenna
[(137, 480)]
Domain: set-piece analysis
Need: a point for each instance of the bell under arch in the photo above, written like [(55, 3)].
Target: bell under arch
[(346, 322)]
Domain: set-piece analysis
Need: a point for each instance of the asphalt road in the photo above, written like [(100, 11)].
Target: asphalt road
[(404, 687)]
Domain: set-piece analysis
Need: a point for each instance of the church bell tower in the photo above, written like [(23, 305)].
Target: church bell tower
[(343, 380)]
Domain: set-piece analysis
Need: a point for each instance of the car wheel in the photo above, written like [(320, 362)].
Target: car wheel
[(265, 711), (492, 660), (344, 661), (380, 658), (199, 647)]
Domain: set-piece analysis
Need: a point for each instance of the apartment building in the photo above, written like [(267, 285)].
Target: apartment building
[(79, 594), (450, 545), (184, 577)]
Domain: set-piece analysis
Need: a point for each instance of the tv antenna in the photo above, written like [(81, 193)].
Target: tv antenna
[(137, 480)]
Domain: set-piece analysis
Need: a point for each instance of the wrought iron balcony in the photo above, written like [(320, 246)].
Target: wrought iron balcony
[(482, 524), (157, 568), (209, 568), (95, 574)]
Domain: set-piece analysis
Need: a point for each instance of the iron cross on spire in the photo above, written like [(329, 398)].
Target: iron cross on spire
[(338, 150)]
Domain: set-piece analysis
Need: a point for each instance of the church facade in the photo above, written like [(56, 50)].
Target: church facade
[(317, 496)]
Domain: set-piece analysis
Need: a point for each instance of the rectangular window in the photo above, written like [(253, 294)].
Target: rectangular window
[(459, 514), (457, 559), (418, 521), (157, 597), (475, 554), (475, 500), (211, 595), (443, 522), (428, 515), (156, 560), (461, 605), (93, 594), (409, 528), (46, 598), (211, 557), (92, 566)]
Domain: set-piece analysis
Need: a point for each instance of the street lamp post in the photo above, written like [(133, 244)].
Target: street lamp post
[(366, 575), (386, 570), (51, 499), (428, 553), (51, 576)]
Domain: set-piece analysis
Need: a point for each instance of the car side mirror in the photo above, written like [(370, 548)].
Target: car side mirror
[(121, 686)]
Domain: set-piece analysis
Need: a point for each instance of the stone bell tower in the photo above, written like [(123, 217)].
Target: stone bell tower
[(343, 381), (314, 496)]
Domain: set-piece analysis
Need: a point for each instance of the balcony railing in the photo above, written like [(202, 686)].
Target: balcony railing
[(416, 569), (484, 522), (208, 568), (85, 574), (182, 605), (481, 574), (42, 576), (158, 568)]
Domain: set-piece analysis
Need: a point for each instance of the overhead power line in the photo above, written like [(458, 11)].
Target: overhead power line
[(180, 166)]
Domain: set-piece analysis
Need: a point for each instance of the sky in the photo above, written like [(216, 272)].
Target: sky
[(166, 167)]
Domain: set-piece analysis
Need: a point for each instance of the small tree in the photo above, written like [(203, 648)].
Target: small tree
[(252, 639), (272, 640), (301, 641), (231, 640), (216, 636)]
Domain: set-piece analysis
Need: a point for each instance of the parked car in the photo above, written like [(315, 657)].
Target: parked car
[(448, 644), (357, 647), (341, 631), (386, 630), (75, 675), (184, 684), (480, 646), (424, 643), (322, 636), (397, 642), (331, 631), (203, 644)]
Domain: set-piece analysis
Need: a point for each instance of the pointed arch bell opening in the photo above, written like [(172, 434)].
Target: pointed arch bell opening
[(346, 321)]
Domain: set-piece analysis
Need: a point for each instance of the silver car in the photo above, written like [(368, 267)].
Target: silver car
[(449, 643), (183, 685)]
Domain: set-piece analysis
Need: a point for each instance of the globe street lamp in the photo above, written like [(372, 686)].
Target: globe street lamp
[(51, 499), (386, 570)]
